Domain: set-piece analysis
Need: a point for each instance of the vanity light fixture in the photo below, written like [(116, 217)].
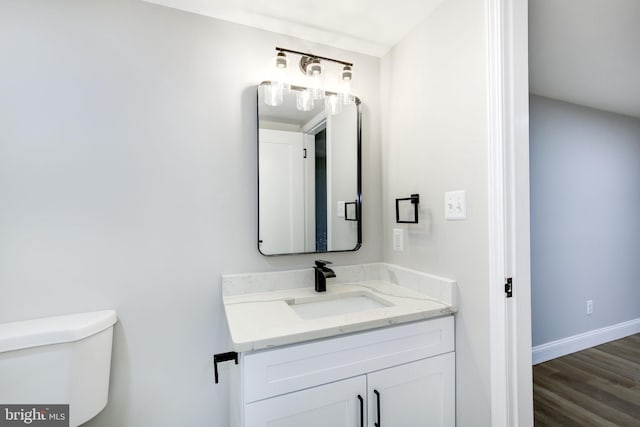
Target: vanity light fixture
[(311, 66), (274, 93)]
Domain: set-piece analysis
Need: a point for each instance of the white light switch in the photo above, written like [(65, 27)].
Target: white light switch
[(455, 205), (398, 239), (340, 209)]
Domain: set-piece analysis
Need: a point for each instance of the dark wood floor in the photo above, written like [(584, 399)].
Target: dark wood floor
[(599, 386)]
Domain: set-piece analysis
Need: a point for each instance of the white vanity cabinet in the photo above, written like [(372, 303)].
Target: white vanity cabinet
[(335, 404), (416, 394), (404, 373)]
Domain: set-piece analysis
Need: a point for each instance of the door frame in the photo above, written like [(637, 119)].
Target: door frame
[(509, 233)]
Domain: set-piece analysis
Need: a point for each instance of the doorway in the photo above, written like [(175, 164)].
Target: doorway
[(585, 234)]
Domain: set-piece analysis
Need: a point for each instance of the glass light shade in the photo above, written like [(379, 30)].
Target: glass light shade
[(273, 94), (304, 100), (345, 93), (279, 76), (346, 75), (281, 79), (316, 84), (332, 105), (316, 90)]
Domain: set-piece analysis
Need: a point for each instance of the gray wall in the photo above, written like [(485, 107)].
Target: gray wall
[(585, 218), (128, 181), (434, 140)]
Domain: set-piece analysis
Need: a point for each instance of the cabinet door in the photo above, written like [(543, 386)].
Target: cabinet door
[(417, 394), (336, 405)]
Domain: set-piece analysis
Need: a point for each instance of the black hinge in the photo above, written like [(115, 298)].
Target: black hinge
[(508, 287), (304, 153)]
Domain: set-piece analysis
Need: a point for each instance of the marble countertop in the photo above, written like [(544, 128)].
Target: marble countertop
[(265, 318)]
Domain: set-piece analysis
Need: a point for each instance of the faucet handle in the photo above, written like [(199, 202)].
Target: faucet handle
[(320, 263)]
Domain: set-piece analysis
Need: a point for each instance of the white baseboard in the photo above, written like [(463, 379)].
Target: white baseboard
[(551, 350)]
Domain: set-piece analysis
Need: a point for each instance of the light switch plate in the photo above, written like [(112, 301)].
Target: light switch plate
[(455, 205), (340, 209)]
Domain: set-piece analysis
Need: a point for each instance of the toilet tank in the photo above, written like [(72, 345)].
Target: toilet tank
[(58, 360)]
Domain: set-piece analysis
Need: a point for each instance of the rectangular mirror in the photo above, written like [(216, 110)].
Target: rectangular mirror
[(309, 177)]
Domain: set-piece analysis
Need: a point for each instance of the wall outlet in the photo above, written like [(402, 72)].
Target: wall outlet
[(455, 205), (589, 307), (398, 239)]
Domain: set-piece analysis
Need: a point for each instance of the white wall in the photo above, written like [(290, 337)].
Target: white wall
[(128, 181), (585, 218), (434, 140)]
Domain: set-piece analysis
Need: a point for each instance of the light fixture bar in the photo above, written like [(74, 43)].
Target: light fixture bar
[(311, 55)]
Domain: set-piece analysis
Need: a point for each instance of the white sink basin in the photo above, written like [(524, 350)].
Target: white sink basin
[(335, 304)]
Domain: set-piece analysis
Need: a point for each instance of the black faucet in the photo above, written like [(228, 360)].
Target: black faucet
[(322, 273)]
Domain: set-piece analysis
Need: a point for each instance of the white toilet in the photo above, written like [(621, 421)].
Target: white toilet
[(58, 360)]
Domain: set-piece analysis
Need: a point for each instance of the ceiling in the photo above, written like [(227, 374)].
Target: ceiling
[(586, 52), (371, 27)]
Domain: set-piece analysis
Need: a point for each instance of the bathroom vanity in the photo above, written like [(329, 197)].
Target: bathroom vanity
[(376, 349)]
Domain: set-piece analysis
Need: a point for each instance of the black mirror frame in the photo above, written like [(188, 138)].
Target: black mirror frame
[(359, 175)]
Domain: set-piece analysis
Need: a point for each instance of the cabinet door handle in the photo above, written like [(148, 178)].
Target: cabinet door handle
[(379, 423), (361, 410)]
